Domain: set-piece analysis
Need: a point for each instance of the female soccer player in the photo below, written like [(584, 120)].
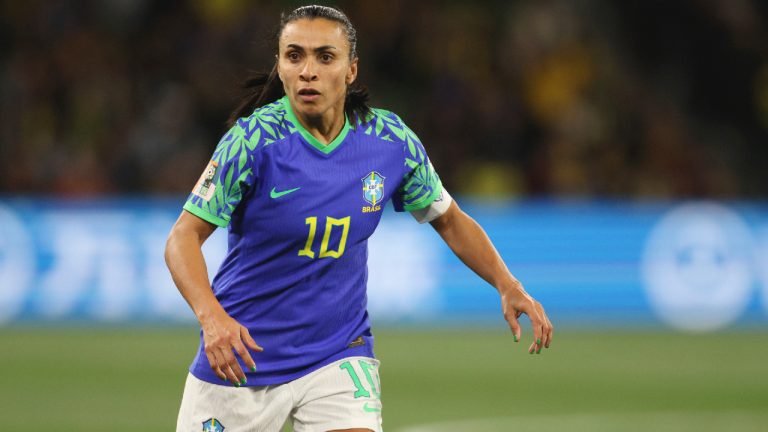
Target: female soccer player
[(301, 182)]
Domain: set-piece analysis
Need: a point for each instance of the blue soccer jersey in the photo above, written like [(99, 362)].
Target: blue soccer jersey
[(299, 215)]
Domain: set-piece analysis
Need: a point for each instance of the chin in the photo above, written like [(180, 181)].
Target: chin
[(308, 108)]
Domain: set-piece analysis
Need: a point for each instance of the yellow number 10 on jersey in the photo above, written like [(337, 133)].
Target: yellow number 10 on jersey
[(329, 224)]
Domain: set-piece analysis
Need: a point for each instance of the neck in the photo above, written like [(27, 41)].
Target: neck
[(325, 127)]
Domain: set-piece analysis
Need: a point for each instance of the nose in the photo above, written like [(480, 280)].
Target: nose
[(308, 71)]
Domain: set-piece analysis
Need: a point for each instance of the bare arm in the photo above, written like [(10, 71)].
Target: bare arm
[(221, 333), (187, 265), (471, 244)]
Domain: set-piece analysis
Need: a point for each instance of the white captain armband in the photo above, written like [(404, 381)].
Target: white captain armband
[(435, 210)]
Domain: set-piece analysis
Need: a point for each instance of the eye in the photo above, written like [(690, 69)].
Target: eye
[(326, 58), (293, 56)]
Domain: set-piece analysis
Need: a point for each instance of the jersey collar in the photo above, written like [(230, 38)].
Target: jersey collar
[(314, 142)]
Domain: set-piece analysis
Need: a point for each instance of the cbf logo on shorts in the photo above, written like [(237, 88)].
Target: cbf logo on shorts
[(373, 191), (212, 425)]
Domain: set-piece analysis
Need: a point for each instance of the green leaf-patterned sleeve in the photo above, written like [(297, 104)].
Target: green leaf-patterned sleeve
[(420, 185), (225, 180)]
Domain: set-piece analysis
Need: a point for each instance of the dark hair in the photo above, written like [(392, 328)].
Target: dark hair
[(262, 88)]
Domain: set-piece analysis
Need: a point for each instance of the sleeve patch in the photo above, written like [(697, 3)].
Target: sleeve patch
[(206, 187)]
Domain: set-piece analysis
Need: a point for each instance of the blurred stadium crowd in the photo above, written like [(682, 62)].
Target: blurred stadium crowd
[(569, 98)]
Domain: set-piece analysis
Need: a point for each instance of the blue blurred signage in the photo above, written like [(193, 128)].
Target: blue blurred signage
[(691, 266)]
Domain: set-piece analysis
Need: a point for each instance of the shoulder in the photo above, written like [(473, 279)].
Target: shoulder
[(386, 125), (264, 126)]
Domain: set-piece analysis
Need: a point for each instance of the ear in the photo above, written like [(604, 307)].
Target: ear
[(352, 72)]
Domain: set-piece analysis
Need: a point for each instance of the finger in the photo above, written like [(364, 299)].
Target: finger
[(536, 325), (227, 371), (235, 365), (544, 327), (540, 341), (511, 315), (550, 330), (215, 365), (551, 334), (231, 377), (245, 355), (245, 335), (229, 374), (514, 325), (232, 367)]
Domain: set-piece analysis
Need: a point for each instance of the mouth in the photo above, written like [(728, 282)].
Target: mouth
[(308, 92), (308, 95)]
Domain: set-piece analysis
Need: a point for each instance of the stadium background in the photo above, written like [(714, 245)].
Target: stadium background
[(615, 152)]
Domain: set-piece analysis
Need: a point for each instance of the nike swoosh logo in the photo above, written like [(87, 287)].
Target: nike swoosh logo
[(366, 408), (275, 194)]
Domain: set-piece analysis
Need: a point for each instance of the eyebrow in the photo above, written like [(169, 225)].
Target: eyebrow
[(318, 49)]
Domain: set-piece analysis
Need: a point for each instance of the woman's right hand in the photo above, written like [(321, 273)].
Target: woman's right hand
[(221, 333), (223, 337)]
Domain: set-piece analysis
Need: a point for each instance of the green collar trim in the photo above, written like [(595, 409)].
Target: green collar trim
[(314, 142)]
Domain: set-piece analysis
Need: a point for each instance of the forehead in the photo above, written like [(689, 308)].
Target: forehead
[(312, 33)]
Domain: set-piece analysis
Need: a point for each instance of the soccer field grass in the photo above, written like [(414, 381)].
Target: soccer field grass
[(478, 380)]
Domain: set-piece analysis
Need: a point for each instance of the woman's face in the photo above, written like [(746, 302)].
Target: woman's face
[(314, 66)]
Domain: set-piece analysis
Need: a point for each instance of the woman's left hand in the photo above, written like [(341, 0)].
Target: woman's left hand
[(515, 302)]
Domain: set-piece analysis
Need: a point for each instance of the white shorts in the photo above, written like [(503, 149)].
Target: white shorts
[(345, 394)]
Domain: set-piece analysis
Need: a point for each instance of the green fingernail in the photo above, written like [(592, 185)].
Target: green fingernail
[(243, 381), (237, 384), (515, 336), (253, 368), (538, 341)]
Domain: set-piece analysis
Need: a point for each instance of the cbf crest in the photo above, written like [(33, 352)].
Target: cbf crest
[(373, 191), (212, 425)]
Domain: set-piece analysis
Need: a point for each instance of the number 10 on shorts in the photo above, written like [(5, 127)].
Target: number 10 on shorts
[(371, 373)]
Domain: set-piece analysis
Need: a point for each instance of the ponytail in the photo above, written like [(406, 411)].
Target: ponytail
[(356, 104), (261, 88)]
